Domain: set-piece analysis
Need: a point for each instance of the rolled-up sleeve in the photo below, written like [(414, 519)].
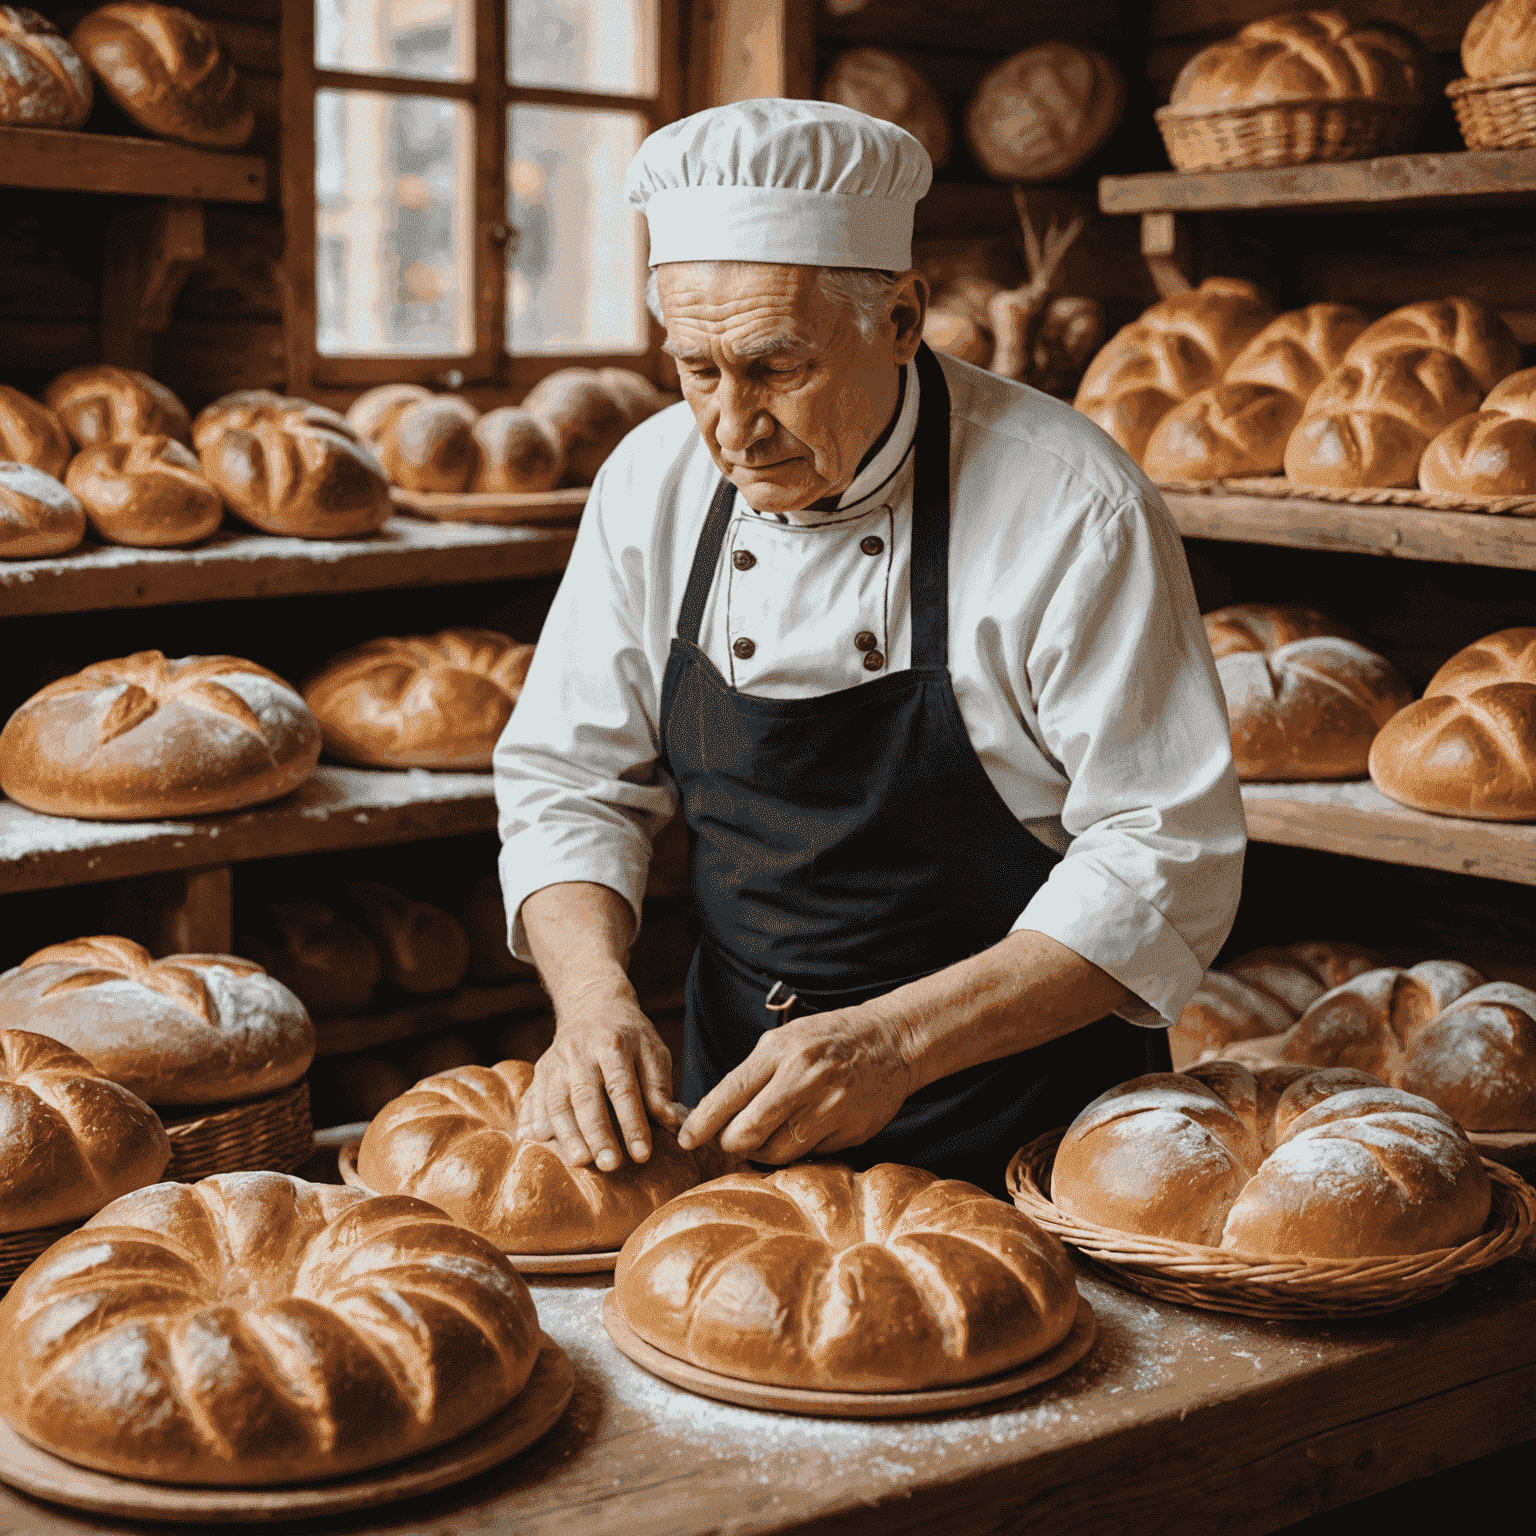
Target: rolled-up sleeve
[(1126, 700)]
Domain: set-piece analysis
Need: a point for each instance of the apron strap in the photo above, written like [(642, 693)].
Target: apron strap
[(930, 517), (706, 556)]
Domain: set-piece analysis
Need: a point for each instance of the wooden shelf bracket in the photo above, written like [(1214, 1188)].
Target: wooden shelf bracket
[(150, 251), (1165, 249)]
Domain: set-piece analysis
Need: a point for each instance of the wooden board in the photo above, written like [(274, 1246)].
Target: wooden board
[(852, 1405), (342, 1035), (506, 509), (99, 162), (235, 564), (527, 1418)]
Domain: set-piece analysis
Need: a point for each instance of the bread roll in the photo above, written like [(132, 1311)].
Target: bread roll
[(1491, 451), (70, 1139), (327, 962), (1469, 330), (1500, 40), (420, 701), (38, 516), (430, 445), (1286, 1160), (423, 948), (1177, 347), (1468, 747), (143, 738), (1041, 113), (587, 421), (886, 1281), (485, 921), (253, 1329), (189, 1029), (43, 83), (879, 84), (245, 407), (148, 493), (635, 395), (165, 69), (518, 452), (104, 404), (373, 410), (30, 433), (1266, 627)]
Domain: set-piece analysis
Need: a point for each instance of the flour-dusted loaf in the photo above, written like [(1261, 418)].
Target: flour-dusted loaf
[(71, 1140), (422, 948), (43, 83), (587, 420), (38, 515), (102, 403), (1329, 1164), (882, 84), (31, 433), (253, 1329), (148, 493), (142, 738), (164, 67), (518, 452), (243, 408), (1468, 747), (326, 961), (420, 701), (1500, 40), (188, 1029), (1490, 451), (452, 1139), (891, 1280)]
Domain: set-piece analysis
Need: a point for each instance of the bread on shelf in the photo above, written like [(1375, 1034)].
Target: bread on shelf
[(39, 516), (518, 452), (143, 738), (31, 433), (882, 84), (43, 83), (423, 949), (326, 961), (148, 493), (254, 1329), (1470, 331), (891, 1280), (102, 403), (586, 419), (243, 408), (633, 393), (1468, 747), (1500, 40), (1286, 1160), (1490, 451), (71, 1140), (425, 442)]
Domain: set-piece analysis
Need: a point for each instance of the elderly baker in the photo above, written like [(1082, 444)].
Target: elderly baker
[(914, 651)]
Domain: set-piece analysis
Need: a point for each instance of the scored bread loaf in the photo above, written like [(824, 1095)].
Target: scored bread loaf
[(375, 408), (1490, 451), (420, 701), (1468, 747), (586, 419), (164, 67), (452, 1139), (327, 962), (244, 407), (142, 738), (38, 515), (148, 493), (30, 433), (518, 452), (105, 404), (891, 1280), (422, 948), (71, 1140), (1469, 330), (880, 84), (253, 1329), (43, 83), (1500, 40), (1328, 1164), (188, 1029)]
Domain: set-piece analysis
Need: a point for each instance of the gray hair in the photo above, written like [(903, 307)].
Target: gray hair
[(866, 293)]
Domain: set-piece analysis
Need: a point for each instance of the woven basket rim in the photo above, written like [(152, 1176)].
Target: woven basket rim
[(1173, 114), (213, 1114), (1469, 85)]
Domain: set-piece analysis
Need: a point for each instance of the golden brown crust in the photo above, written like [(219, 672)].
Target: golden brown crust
[(43, 82), (243, 408), (1500, 40), (1470, 331), (879, 84), (148, 493), (30, 433), (39, 516), (105, 404), (1229, 429), (587, 421), (1491, 451), (431, 445), (518, 452)]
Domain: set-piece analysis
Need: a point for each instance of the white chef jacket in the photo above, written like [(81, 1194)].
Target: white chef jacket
[(1078, 658)]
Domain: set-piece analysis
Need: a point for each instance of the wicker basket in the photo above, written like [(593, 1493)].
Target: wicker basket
[(18, 1249), (1497, 113), (272, 1132), (1220, 1281), (1286, 133)]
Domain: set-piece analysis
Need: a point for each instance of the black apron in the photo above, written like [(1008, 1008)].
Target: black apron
[(844, 844)]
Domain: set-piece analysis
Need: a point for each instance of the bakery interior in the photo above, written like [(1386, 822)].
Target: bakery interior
[(318, 319)]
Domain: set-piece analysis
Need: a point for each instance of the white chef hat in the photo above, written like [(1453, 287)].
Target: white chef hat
[(805, 183)]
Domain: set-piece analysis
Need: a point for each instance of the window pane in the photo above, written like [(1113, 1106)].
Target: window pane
[(584, 45), (394, 200), (426, 39), (576, 274)]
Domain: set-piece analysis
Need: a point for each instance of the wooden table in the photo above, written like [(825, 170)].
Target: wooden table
[(1178, 1421)]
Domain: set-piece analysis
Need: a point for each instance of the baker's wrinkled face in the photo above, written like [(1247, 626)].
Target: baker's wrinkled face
[(787, 394)]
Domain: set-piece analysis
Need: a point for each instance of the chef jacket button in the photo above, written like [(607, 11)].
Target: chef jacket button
[(744, 648), (743, 559), (872, 545), (873, 661), (865, 640)]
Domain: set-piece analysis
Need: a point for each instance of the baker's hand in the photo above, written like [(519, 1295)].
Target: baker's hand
[(817, 1084), (605, 1054)]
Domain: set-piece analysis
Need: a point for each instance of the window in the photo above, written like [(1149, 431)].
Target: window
[(453, 185)]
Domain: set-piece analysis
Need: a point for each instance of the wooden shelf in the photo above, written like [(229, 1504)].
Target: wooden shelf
[(1404, 533), (335, 808), (1466, 178), (406, 552), (1357, 819), (97, 162)]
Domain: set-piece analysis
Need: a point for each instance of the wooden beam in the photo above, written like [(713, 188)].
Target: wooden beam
[(748, 48), (100, 162), (149, 252), (198, 919), (1165, 249)]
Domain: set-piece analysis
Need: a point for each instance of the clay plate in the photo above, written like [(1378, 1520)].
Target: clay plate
[(503, 508), (1512, 1147), (525, 1263), (851, 1405), (531, 1414)]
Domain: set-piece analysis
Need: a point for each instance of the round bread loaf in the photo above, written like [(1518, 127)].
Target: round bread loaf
[(43, 83), (518, 452), (886, 1281), (165, 69), (1286, 1160), (252, 1329), (71, 1140), (1500, 40), (1301, 706), (422, 948), (142, 738), (485, 921), (189, 1029), (38, 515), (879, 84), (452, 1139), (1469, 330), (1177, 347), (104, 404), (636, 396), (1491, 451), (420, 701), (327, 962), (374, 409), (148, 493), (431, 445), (1468, 747), (245, 407), (586, 420), (1437, 1030), (30, 433)]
